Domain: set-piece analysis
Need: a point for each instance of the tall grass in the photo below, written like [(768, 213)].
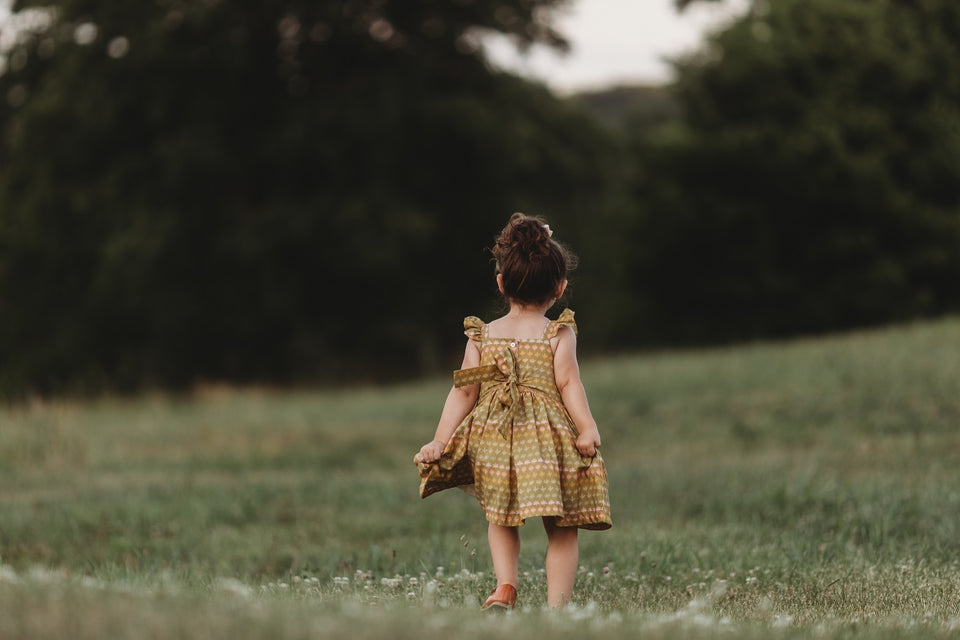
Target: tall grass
[(791, 489)]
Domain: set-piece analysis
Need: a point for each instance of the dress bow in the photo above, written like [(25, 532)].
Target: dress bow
[(507, 377), (509, 395)]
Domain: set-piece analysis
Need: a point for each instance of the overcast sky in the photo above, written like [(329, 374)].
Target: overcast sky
[(613, 41), (616, 41)]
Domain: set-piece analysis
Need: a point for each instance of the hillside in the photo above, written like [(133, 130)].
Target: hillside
[(629, 106)]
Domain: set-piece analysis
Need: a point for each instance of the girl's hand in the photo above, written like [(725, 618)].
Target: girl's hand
[(587, 443), (430, 452)]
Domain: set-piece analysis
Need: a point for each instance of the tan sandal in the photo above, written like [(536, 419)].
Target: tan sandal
[(503, 597)]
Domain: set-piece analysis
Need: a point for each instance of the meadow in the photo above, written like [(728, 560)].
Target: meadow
[(797, 489)]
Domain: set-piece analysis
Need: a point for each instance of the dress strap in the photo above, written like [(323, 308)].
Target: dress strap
[(474, 328), (564, 320)]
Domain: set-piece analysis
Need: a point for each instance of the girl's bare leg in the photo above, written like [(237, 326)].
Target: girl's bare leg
[(563, 558), (505, 552)]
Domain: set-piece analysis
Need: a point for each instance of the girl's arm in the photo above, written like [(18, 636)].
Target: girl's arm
[(459, 403), (567, 374)]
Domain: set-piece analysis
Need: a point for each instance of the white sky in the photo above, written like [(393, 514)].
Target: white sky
[(615, 41)]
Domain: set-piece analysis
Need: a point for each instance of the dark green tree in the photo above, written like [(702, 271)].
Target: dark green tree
[(813, 180), (266, 191), (683, 4)]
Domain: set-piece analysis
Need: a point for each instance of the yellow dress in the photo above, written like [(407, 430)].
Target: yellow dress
[(516, 449)]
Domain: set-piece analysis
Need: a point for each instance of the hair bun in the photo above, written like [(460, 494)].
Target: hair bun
[(529, 236), (531, 264)]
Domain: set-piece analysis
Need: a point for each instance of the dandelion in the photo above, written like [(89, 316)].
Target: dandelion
[(586, 612), (234, 586), (44, 575), (718, 589), (783, 620), (93, 583), (7, 574)]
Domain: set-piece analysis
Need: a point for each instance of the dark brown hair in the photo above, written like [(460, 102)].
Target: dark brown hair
[(531, 262)]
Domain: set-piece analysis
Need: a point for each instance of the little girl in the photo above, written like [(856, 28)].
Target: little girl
[(516, 426)]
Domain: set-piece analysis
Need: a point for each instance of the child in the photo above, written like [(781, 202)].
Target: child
[(516, 427)]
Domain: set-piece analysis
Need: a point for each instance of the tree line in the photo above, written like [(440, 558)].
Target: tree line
[(288, 192)]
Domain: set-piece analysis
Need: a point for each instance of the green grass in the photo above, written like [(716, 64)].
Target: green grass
[(796, 489)]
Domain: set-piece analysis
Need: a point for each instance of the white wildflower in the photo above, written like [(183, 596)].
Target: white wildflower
[(781, 620), (392, 583), (718, 589), (235, 587)]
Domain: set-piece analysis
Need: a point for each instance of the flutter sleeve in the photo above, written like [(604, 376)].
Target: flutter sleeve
[(564, 320), (473, 328)]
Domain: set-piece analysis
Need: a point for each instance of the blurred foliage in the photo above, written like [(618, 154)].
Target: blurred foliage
[(284, 192), (812, 182), (269, 191), (631, 109)]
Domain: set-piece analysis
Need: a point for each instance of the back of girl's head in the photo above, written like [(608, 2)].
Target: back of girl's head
[(532, 264)]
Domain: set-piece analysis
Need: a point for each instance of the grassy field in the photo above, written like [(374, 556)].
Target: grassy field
[(781, 490)]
